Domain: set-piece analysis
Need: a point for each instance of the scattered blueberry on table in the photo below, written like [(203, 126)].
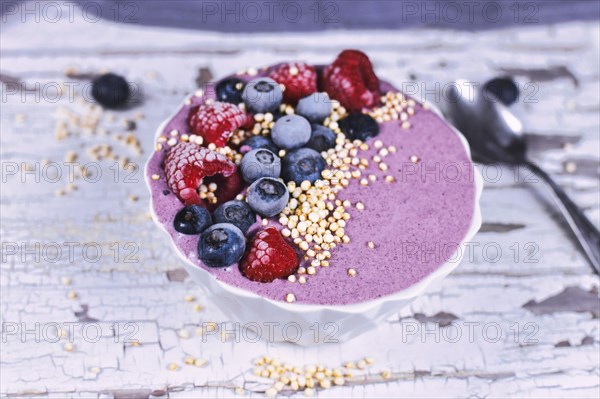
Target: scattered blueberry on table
[(111, 90)]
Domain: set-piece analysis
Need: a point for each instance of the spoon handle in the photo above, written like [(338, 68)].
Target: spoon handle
[(587, 234)]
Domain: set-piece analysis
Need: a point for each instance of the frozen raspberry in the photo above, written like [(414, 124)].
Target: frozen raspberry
[(216, 122), (269, 257), (355, 57), (299, 79), (350, 79), (188, 164)]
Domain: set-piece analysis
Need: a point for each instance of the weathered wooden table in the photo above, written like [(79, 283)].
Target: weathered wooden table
[(95, 304)]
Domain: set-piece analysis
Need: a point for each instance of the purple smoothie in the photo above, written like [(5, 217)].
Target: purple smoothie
[(416, 222)]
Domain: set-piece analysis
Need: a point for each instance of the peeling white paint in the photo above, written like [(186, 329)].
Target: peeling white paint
[(479, 293)]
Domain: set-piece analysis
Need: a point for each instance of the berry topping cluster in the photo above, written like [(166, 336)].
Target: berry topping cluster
[(259, 169)]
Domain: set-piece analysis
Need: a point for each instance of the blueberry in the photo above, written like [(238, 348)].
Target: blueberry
[(221, 245), (262, 95), (260, 163), (278, 114), (315, 107), (268, 196), (230, 90), (256, 142), (359, 126), (322, 138), (237, 213), (110, 90), (303, 164), (291, 131), (192, 219), (503, 88)]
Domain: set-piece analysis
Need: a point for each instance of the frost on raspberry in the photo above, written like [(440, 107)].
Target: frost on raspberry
[(269, 257), (216, 122), (188, 165), (350, 79), (298, 78)]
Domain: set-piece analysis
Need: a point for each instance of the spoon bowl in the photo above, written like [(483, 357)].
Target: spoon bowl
[(494, 133)]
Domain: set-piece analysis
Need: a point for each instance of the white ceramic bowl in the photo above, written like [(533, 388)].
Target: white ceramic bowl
[(307, 324)]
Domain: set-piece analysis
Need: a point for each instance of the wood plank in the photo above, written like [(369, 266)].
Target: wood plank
[(555, 353)]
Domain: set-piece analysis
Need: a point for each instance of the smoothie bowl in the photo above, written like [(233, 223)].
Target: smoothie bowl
[(313, 201)]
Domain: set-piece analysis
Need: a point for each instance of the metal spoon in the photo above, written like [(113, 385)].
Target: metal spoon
[(495, 135)]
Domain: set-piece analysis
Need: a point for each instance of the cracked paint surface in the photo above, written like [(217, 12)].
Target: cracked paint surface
[(525, 325)]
